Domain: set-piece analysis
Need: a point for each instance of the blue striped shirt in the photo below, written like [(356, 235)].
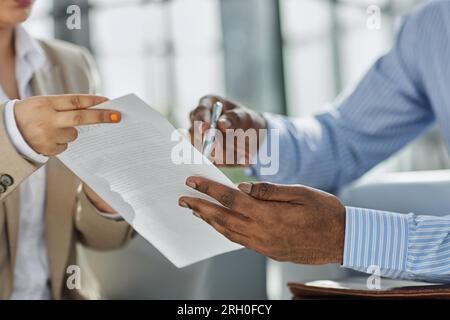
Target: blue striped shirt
[(402, 95)]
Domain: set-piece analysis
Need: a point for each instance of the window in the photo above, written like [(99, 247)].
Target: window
[(328, 47)]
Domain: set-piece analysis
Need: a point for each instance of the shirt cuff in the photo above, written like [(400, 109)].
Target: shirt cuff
[(16, 137), (376, 241)]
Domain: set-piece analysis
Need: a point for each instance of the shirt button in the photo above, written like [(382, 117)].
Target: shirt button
[(6, 180), (2, 189)]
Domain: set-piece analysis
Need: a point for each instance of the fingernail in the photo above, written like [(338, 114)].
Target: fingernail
[(183, 204), (246, 187), (191, 184), (115, 117), (224, 123)]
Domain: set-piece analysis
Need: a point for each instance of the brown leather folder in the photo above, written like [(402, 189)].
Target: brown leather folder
[(307, 292)]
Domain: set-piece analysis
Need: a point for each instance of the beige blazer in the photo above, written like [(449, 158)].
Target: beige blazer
[(70, 217)]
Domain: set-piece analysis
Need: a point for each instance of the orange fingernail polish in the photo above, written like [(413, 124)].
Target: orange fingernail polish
[(115, 117)]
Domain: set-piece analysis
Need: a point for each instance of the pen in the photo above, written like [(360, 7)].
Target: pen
[(210, 137)]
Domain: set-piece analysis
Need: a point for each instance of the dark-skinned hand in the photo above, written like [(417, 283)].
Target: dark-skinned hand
[(286, 223)]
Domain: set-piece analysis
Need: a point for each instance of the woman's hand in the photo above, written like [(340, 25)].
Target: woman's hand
[(47, 123), (286, 223)]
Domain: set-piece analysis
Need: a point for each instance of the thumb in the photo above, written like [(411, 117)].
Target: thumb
[(274, 192)]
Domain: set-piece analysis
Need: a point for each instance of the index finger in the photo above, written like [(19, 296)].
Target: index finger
[(230, 198), (75, 101), (276, 192)]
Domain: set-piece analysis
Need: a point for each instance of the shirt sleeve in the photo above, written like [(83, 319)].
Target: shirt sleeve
[(16, 137), (388, 109), (404, 246)]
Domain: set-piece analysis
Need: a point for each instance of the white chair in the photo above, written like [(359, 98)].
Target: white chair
[(423, 192)]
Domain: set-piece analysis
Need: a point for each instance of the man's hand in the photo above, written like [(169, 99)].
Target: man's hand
[(98, 202), (286, 223), (234, 116), (47, 123)]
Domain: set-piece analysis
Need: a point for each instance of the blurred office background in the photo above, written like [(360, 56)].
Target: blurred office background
[(284, 56)]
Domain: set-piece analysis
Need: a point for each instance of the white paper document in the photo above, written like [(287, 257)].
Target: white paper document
[(131, 166)]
